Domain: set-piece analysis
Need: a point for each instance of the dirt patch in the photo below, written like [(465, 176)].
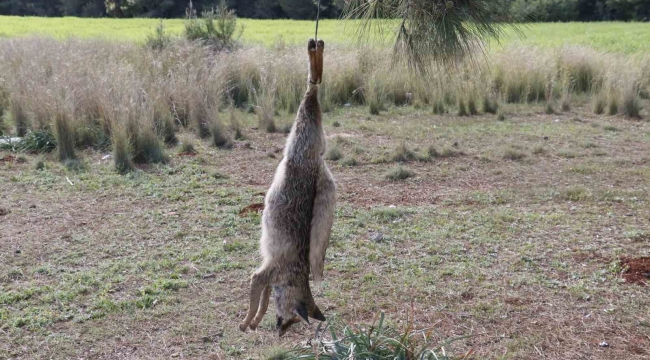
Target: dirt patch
[(8, 158), (637, 270), (251, 209)]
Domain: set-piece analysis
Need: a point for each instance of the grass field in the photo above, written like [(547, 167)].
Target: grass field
[(506, 203), (616, 37), (514, 234)]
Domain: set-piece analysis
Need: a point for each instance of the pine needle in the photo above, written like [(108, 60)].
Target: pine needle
[(426, 33)]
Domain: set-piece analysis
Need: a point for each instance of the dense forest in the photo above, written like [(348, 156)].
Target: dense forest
[(537, 10)]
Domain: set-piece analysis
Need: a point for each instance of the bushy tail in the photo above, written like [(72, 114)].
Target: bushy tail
[(321, 223)]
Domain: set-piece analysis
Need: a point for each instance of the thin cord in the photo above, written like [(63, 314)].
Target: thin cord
[(317, 18)]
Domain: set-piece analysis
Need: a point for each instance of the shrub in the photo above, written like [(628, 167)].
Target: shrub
[(64, 133), (399, 173), (217, 27), (631, 104), (38, 141), (159, 39)]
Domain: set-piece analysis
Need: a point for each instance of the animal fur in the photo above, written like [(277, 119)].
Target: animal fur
[(297, 218)]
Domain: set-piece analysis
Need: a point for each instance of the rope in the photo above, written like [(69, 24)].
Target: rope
[(317, 18)]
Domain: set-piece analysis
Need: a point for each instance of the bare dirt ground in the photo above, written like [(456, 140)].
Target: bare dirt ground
[(520, 235)]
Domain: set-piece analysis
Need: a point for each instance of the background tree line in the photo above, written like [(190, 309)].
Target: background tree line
[(537, 10)]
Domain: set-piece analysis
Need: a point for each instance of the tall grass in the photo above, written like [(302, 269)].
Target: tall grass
[(374, 341), (154, 93), (64, 133), (121, 150)]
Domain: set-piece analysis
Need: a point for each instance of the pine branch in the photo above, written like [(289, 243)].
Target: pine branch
[(432, 32)]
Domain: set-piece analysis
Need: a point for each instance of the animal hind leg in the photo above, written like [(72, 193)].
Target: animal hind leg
[(264, 305), (320, 46), (313, 62), (259, 281)]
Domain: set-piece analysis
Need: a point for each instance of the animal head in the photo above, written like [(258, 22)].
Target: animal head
[(294, 304)]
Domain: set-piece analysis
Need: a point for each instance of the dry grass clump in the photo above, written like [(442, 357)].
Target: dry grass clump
[(399, 173), (599, 103), (403, 154), (164, 122), (121, 151), (375, 99), (147, 147), (64, 134), (264, 97), (631, 104), (612, 104), (219, 136), (471, 106), (349, 162), (187, 145), (512, 153), (235, 123), (333, 153), (439, 107), (462, 109), (489, 105), (19, 117)]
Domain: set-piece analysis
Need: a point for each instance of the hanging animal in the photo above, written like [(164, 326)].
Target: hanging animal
[(297, 218)]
